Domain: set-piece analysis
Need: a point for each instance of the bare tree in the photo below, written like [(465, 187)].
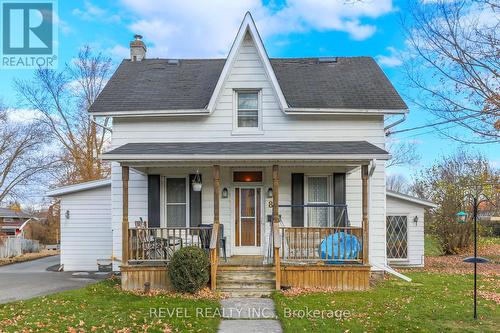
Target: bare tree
[(454, 62), (63, 99), (21, 157), (397, 182), (402, 153)]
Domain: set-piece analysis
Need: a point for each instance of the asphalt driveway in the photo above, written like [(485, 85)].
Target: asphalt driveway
[(31, 278)]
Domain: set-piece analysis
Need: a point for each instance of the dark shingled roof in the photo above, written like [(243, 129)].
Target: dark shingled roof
[(250, 148), (157, 84)]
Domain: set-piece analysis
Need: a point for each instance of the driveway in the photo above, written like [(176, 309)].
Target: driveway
[(31, 278)]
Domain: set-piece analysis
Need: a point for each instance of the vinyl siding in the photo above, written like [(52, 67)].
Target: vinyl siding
[(415, 231), (86, 235), (248, 72)]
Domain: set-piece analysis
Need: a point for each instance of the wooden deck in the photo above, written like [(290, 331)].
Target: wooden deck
[(338, 277), (341, 277)]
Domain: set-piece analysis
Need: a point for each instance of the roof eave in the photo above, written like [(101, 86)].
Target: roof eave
[(242, 157), (78, 187), (151, 113), (344, 111), (412, 199)]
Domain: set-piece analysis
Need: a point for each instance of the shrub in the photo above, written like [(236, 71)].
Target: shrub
[(189, 269)]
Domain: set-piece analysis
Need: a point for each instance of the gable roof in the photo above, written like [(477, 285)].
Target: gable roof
[(355, 83), (248, 27), (302, 85), (90, 185), (409, 198), (7, 212)]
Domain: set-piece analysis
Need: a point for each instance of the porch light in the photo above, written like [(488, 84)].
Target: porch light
[(225, 193), (461, 217), (197, 182), (415, 219), (270, 193)]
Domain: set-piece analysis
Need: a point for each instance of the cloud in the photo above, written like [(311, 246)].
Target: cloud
[(92, 12), (192, 28), (391, 60), (118, 52), (23, 115)]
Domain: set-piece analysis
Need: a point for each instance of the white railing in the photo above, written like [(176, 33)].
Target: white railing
[(14, 246)]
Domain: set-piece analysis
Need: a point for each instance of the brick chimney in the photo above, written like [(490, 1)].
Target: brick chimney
[(137, 49)]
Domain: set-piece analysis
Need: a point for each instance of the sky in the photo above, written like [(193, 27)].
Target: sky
[(289, 28)]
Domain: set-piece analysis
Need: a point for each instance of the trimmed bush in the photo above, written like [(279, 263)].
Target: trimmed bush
[(189, 269)]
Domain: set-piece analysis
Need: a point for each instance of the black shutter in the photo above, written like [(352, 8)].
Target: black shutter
[(297, 199), (339, 198), (194, 204), (154, 201)]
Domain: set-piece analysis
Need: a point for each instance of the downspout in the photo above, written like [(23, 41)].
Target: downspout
[(397, 122), (390, 270)]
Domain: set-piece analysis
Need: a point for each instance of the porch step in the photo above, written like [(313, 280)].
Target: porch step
[(236, 292), (246, 281)]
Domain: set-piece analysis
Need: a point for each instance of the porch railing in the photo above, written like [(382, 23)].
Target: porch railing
[(321, 244), (159, 244)]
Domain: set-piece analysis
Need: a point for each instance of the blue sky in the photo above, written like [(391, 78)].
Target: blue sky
[(292, 28)]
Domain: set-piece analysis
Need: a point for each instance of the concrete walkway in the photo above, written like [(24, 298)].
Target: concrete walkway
[(249, 315)]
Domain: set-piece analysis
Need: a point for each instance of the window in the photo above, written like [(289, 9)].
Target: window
[(176, 202), (317, 194), (397, 237), (247, 176), (248, 109)]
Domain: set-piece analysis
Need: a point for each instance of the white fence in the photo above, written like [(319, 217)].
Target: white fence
[(13, 246)]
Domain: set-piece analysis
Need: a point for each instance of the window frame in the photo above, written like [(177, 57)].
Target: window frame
[(164, 205), (247, 130), (329, 191), (407, 215)]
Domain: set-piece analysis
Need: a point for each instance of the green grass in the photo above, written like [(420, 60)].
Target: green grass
[(102, 307), (431, 303), (431, 246)]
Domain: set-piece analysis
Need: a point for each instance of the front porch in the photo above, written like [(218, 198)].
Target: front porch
[(260, 223)]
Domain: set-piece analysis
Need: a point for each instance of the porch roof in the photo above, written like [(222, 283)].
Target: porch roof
[(254, 150)]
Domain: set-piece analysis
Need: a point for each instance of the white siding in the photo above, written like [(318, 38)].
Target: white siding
[(86, 234), (415, 231), (248, 72)]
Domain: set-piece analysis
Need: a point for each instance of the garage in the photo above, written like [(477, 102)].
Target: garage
[(86, 236)]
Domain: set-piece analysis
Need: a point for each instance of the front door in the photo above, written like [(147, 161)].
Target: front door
[(247, 220)]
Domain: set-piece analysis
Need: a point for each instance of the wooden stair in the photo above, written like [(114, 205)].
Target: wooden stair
[(246, 280)]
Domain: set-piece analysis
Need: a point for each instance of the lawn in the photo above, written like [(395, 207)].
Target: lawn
[(102, 307), (431, 246), (431, 303)]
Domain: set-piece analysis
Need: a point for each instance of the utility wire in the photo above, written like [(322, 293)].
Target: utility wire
[(432, 125)]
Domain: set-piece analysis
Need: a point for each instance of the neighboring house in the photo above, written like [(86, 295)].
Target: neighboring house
[(13, 222), (289, 154)]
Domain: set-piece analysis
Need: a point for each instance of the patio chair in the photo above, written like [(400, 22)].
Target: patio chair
[(206, 235), (153, 247)]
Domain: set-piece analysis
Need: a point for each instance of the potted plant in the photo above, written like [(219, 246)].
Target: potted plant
[(197, 182)]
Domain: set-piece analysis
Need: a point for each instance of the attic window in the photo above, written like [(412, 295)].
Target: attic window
[(248, 109)]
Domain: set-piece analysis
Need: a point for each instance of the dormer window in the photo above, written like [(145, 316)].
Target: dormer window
[(247, 111)]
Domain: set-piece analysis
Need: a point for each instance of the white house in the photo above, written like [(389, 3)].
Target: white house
[(289, 153)]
